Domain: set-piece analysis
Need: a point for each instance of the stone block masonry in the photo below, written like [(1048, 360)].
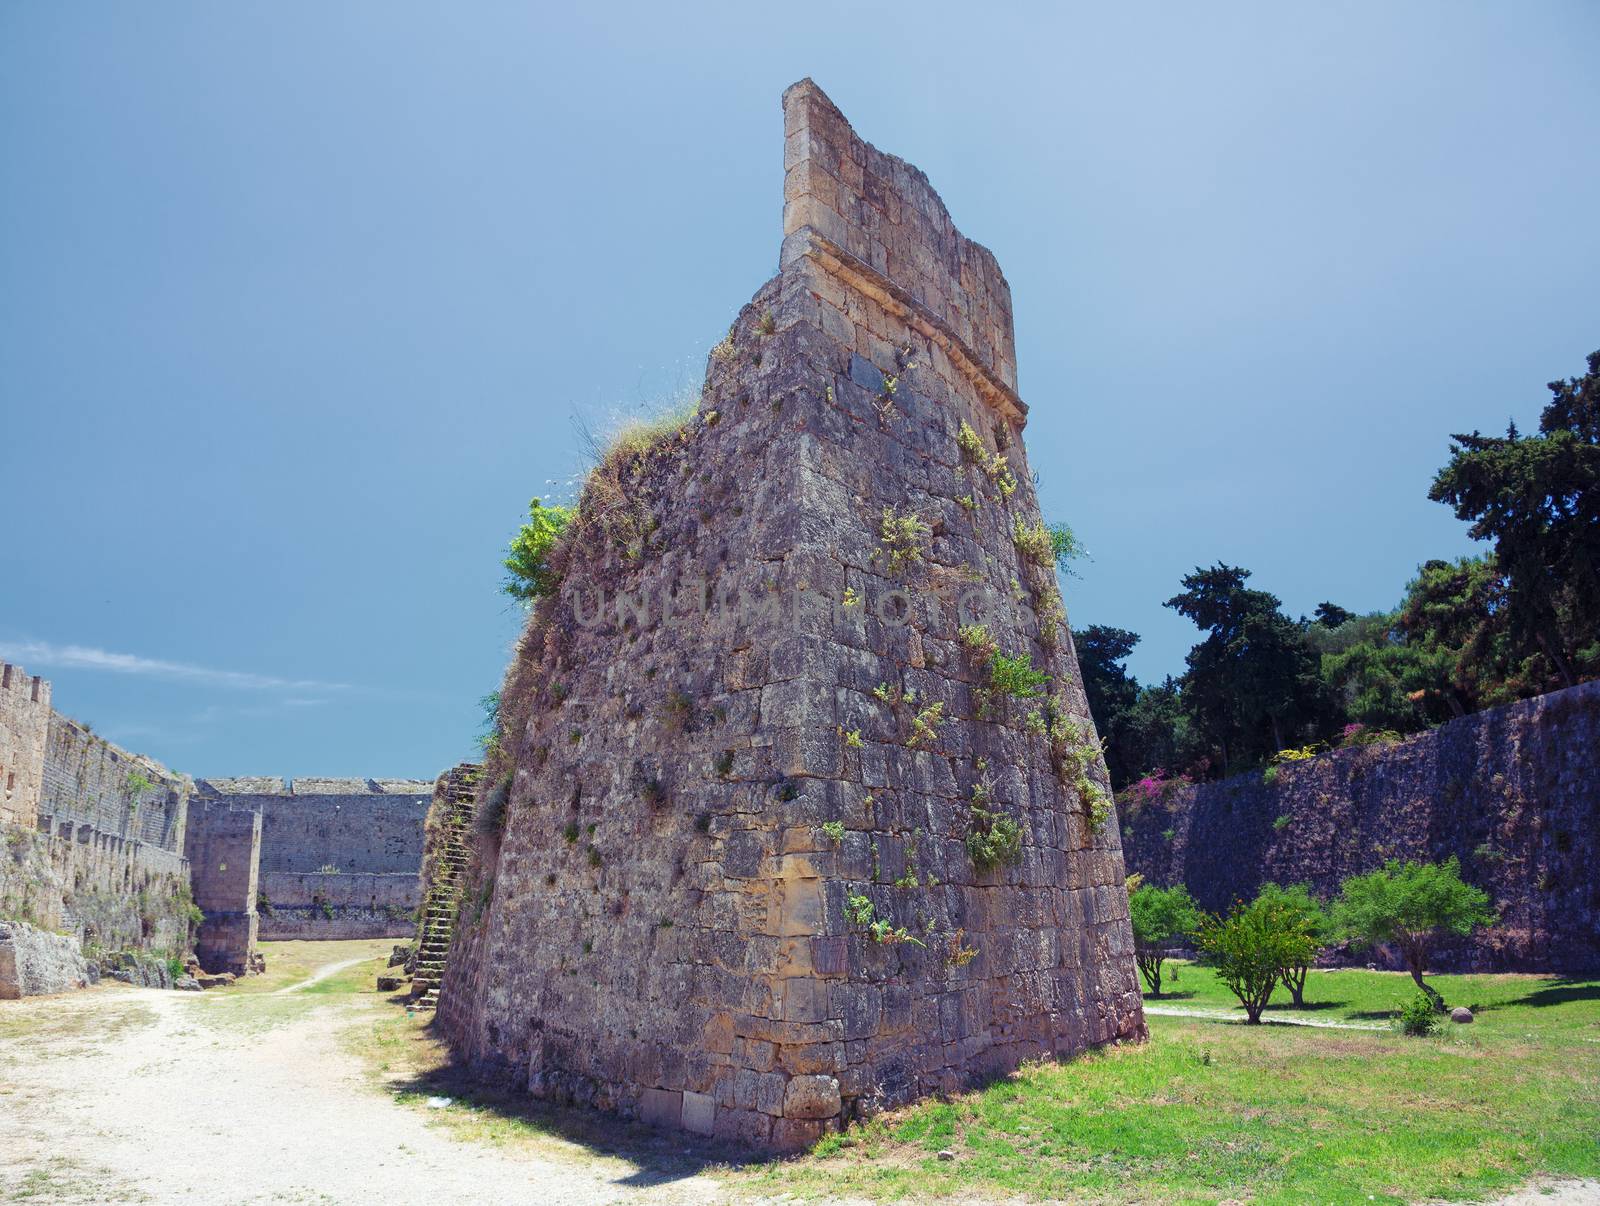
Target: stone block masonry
[(1513, 792), (24, 727), (445, 857), (90, 783), (224, 846), (784, 845), (339, 857), (93, 841)]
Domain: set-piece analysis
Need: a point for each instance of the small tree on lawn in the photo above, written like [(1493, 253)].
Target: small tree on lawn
[(1412, 905), (1159, 915), (1251, 947), (1297, 899)]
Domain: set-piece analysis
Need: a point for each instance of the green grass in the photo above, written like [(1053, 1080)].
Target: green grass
[(257, 1003), (1273, 1114), (1353, 995)]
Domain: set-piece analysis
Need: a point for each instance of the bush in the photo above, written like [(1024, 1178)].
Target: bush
[(1159, 915), (1252, 948), (529, 574), (1298, 901), (995, 840), (489, 821), (1418, 1017)]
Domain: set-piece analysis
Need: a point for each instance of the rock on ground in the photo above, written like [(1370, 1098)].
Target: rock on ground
[(34, 962)]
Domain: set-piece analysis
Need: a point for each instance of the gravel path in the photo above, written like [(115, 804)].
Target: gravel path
[(138, 1095), (1218, 1015)]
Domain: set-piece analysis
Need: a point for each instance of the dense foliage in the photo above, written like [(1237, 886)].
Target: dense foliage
[(1518, 620), (1307, 912)]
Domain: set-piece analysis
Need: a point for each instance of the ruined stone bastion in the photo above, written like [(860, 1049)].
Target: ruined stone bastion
[(775, 841)]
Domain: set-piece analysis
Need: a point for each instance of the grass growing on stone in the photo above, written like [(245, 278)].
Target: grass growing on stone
[(1208, 1111)]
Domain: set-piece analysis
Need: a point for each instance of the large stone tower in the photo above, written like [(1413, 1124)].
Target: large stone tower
[(802, 813)]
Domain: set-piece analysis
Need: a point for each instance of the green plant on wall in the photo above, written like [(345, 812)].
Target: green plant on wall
[(1072, 754), (860, 911), (902, 538)]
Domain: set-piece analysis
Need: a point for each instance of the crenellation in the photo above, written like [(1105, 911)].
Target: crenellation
[(124, 855)]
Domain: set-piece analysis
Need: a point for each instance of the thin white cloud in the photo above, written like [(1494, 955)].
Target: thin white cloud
[(42, 654)]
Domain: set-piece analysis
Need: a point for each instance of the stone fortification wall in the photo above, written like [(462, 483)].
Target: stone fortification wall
[(339, 857), (1513, 792), (88, 782), (24, 726), (224, 845), (350, 904), (111, 894)]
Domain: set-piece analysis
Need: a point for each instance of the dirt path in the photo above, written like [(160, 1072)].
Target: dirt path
[(322, 973), (138, 1095)]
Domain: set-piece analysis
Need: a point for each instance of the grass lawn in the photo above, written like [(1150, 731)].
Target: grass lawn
[(1207, 1111)]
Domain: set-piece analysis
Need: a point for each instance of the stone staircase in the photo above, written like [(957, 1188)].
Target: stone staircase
[(448, 848)]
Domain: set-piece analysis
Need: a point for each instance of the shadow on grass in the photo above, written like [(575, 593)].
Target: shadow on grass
[(1163, 998), (660, 1157), (1308, 1007), (1559, 992)]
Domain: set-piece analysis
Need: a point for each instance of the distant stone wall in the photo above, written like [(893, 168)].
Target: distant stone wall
[(91, 835), (24, 725), (89, 781), (224, 845), (311, 905), (369, 825), (370, 831), (1513, 792)]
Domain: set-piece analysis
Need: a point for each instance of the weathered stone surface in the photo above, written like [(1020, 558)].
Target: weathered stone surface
[(1461, 1014), (339, 857), (1512, 792), (34, 962), (224, 848), (24, 725), (811, 1097), (140, 969), (745, 741)]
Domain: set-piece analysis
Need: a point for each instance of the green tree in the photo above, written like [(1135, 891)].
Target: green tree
[(1538, 499), (1253, 684), (1110, 689), (1296, 900), (1156, 732), (1456, 616), (1251, 949), (1159, 915), (529, 572), (1411, 904)]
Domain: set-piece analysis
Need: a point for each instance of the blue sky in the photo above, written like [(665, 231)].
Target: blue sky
[(297, 303)]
